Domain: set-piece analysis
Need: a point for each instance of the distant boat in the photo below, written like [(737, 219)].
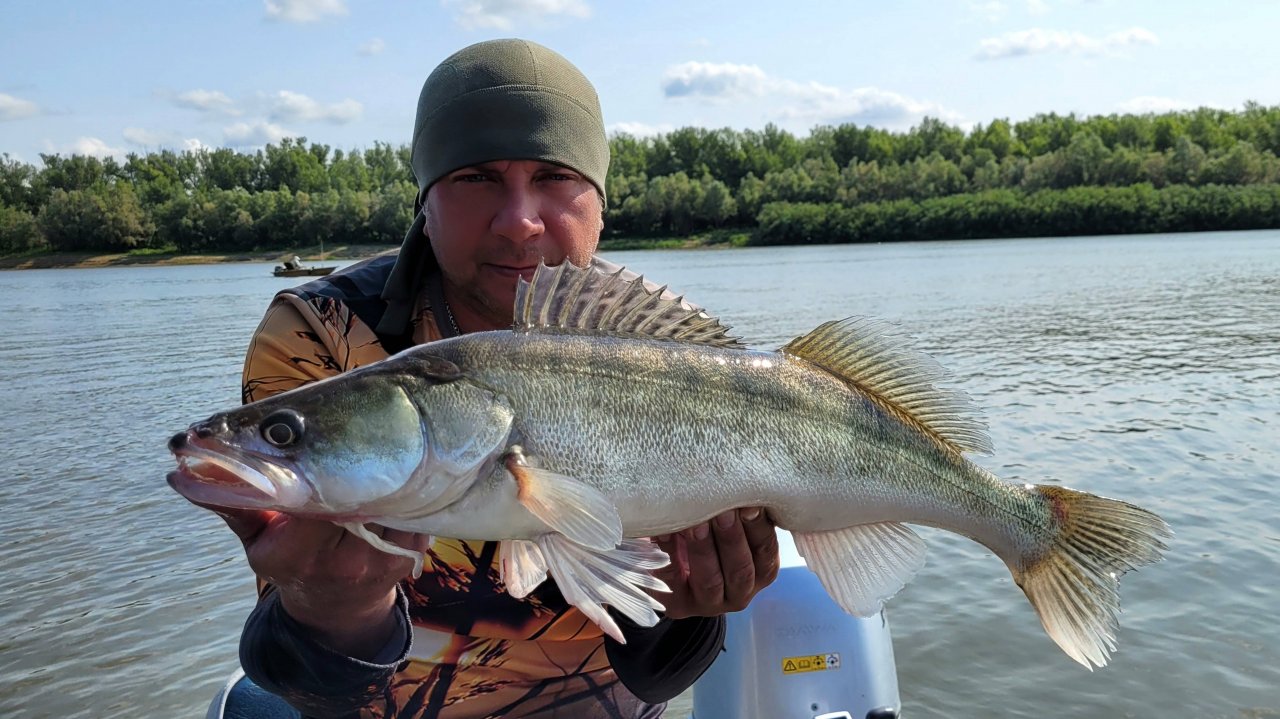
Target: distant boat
[(282, 271), (293, 268)]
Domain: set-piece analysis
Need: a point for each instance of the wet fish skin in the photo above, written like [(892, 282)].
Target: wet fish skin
[(560, 441)]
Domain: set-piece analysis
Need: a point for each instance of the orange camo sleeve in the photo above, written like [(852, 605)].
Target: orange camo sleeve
[(300, 341)]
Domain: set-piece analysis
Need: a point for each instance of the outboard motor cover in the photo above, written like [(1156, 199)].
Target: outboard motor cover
[(795, 653)]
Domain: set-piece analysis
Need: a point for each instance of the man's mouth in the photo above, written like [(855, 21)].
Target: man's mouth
[(514, 271)]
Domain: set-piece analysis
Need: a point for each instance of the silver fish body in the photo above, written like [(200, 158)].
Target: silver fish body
[(610, 414), (675, 434)]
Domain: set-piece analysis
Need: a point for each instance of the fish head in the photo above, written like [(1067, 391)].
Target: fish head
[(338, 447)]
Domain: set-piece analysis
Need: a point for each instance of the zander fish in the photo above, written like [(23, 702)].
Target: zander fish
[(610, 413)]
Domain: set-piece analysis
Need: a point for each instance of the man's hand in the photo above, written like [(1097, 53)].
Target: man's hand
[(329, 580), (717, 567)]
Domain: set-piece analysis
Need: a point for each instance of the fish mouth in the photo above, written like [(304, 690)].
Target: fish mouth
[(226, 477)]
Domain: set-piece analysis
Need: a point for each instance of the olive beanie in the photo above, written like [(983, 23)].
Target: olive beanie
[(508, 100), (495, 100)]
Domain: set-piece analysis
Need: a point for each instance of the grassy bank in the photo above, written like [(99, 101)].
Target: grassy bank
[(724, 238)]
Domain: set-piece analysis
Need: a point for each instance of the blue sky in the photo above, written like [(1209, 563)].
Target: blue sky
[(135, 76)]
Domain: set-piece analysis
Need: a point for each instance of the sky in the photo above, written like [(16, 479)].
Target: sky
[(109, 78)]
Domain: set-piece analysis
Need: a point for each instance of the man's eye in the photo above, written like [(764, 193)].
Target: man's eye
[(559, 177)]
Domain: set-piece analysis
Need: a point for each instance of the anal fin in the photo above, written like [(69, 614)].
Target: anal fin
[(522, 566), (589, 579), (864, 565)]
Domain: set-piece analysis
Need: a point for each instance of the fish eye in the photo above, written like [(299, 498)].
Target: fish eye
[(282, 428)]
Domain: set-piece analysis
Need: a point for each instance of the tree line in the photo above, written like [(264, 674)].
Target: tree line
[(1048, 175)]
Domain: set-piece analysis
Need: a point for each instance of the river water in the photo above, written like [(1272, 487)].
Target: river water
[(1146, 368)]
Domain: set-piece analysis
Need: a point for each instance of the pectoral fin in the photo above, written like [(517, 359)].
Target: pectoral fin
[(522, 566), (590, 579), (580, 512), (864, 565)]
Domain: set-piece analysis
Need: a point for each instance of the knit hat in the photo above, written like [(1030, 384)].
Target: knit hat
[(495, 100)]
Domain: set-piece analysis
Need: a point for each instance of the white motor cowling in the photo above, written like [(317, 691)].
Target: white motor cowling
[(795, 653)]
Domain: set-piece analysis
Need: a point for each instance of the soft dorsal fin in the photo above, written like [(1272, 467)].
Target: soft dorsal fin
[(874, 357), (573, 299)]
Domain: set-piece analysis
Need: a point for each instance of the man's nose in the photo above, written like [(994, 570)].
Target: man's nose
[(519, 218)]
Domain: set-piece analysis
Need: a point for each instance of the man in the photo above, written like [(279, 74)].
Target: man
[(510, 155)]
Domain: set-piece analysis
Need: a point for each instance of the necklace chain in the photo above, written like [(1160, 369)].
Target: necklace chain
[(448, 311)]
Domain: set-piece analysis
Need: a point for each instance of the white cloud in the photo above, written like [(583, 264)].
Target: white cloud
[(304, 10), (286, 105), (373, 47), (801, 102), (506, 14), (640, 129), (868, 106), (710, 79), (1146, 103), (146, 139), (206, 101), (1037, 7), (1036, 41), (15, 108), (245, 134), (90, 146)]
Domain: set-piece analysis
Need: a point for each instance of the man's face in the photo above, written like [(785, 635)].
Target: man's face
[(492, 223)]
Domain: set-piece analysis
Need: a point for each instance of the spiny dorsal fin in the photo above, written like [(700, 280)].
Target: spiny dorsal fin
[(875, 358), (566, 298)]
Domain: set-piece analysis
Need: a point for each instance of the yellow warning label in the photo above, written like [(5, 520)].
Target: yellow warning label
[(811, 663)]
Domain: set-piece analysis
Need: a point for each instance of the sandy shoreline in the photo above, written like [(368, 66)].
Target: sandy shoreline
[(716, 239), (74, 260)]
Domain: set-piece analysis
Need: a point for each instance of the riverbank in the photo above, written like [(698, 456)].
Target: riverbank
[(310, 256), (66, 260)]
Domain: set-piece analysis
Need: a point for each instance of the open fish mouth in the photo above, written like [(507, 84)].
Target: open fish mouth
[(215, 477)]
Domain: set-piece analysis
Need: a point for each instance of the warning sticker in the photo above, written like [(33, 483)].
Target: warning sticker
[(811, 663)]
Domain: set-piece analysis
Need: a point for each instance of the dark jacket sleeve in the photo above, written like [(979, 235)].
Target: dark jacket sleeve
[(278, 654), (658, 663)]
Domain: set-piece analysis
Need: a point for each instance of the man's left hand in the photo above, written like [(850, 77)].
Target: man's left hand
[(718, 566)]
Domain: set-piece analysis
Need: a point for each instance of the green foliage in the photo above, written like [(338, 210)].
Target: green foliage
[(104, 217), (224, 169), (16, 179), (391, 213), (1009, 213), (670, 203), (293, 165), (78, 172), (1049, 174), (160, 176), (19, 232)]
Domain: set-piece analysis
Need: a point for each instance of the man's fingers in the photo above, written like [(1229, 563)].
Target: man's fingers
[(737, 565), (678, 570), (706, 582), (762, 538)]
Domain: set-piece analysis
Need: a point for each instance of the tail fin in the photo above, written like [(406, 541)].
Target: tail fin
[(1074, 586)]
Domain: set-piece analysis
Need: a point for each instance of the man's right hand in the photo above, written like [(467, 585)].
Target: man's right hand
[(329, 580)]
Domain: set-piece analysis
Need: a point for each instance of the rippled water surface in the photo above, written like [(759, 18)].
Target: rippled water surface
[(1141, 367)]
